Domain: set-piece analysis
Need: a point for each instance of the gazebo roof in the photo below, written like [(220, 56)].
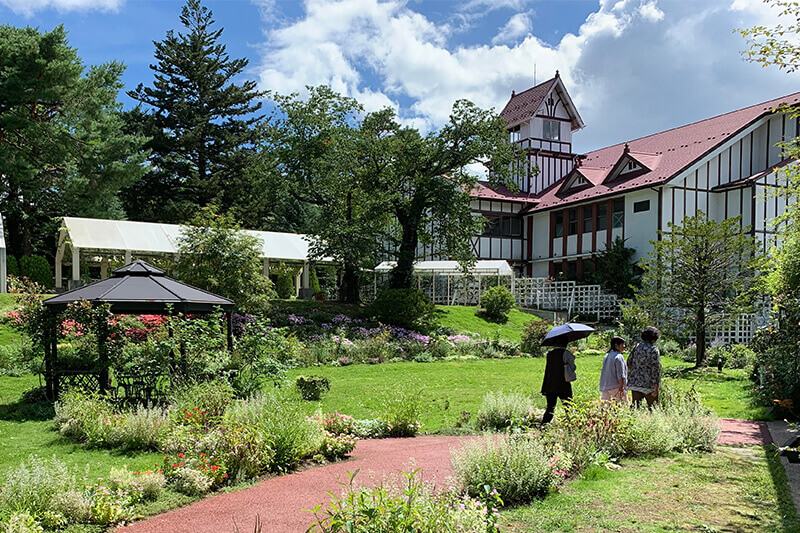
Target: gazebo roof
[(141, 288)]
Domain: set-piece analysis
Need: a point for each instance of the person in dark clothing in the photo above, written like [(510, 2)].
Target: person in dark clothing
[(555, 385)]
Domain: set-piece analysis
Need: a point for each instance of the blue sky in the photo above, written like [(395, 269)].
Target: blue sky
[(633, 67)]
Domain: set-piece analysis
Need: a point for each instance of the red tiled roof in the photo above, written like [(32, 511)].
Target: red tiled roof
[(522, 106), (666, 154), (484, 191)]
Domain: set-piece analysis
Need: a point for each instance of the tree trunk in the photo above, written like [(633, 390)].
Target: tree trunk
[(700, 358), (403, 275), (349, 291)]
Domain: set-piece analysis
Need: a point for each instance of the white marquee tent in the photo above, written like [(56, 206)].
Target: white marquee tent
[(93, 238)]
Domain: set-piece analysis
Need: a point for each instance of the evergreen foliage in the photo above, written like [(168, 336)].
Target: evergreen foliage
[(615, 270), (497, 302), (12, 266), (202, 124), (37, 269), (407, 308), (62, 145)]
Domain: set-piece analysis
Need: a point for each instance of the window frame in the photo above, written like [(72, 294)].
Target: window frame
[(548, 131)]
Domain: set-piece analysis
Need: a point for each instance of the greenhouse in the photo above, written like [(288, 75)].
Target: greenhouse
[(448, 283)]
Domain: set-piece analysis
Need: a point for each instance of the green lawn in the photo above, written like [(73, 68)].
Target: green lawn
[(732, 489), (463, 319), (447, 388), (26, 430)]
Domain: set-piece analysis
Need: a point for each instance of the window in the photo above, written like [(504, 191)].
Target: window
[(602, 214), (559, 225), (492, 226), (514, 134), (572, 227), (512, 227), (618, 216), (587, 219), (644, 205), (551, 130), (503, 227)]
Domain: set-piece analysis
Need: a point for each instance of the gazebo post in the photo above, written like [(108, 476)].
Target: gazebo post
[(50, 347), (229, 320), (102, 350)]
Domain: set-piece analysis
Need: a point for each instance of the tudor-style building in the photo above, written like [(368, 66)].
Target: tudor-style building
[(724, 166)]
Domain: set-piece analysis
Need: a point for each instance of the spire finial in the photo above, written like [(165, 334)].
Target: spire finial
[(626, 149), (513, 93), (557, 74)]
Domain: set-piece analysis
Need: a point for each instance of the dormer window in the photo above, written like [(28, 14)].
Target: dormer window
[(630, 166), (551, 130)]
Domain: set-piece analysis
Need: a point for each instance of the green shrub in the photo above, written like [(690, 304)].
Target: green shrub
[(401, 412), (191, 482), (370, 429), (533, 334), (497, 302), (85, 418), (38, 270), (407, 308), (202, 404), (32, 486), (502, 411), (283, 423), (413, 505), (313, 281), (73, 505), (22, 523), (519, 467), (312, 387), (285, 286), (18, 358), (590, 428), (12, 266), (731, 356), (775, 373)]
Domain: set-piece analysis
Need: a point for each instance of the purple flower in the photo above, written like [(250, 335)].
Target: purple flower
[(341, 319), (296, 320)]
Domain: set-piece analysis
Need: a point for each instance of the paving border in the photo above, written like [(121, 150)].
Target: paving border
[(782, 436)]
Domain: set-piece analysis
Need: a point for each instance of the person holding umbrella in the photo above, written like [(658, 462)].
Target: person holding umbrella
[(559, 370)]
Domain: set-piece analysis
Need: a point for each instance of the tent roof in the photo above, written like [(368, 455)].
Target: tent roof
[(155, 238), (452, 268), (142, 288)]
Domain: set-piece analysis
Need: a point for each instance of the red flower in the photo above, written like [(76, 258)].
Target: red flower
[(180, 455)]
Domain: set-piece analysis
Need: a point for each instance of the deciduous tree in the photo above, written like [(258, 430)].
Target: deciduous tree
[(700, 274)]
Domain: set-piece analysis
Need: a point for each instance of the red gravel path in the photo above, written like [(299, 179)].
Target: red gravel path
[(737, 432), (282, 502)]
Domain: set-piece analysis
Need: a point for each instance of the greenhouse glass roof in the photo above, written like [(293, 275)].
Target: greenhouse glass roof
[(452, 268)]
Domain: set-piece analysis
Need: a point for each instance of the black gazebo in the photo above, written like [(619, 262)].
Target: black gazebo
[(136, 288)]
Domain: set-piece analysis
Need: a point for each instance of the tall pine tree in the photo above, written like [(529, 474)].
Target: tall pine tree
[(203, 125), (62, 146)]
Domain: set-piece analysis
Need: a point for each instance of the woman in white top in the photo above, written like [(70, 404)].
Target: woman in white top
[(614, 376)]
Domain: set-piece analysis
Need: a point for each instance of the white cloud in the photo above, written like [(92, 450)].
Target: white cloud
[(650, 11), (633, 67), (517, 26), (29, 7)]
